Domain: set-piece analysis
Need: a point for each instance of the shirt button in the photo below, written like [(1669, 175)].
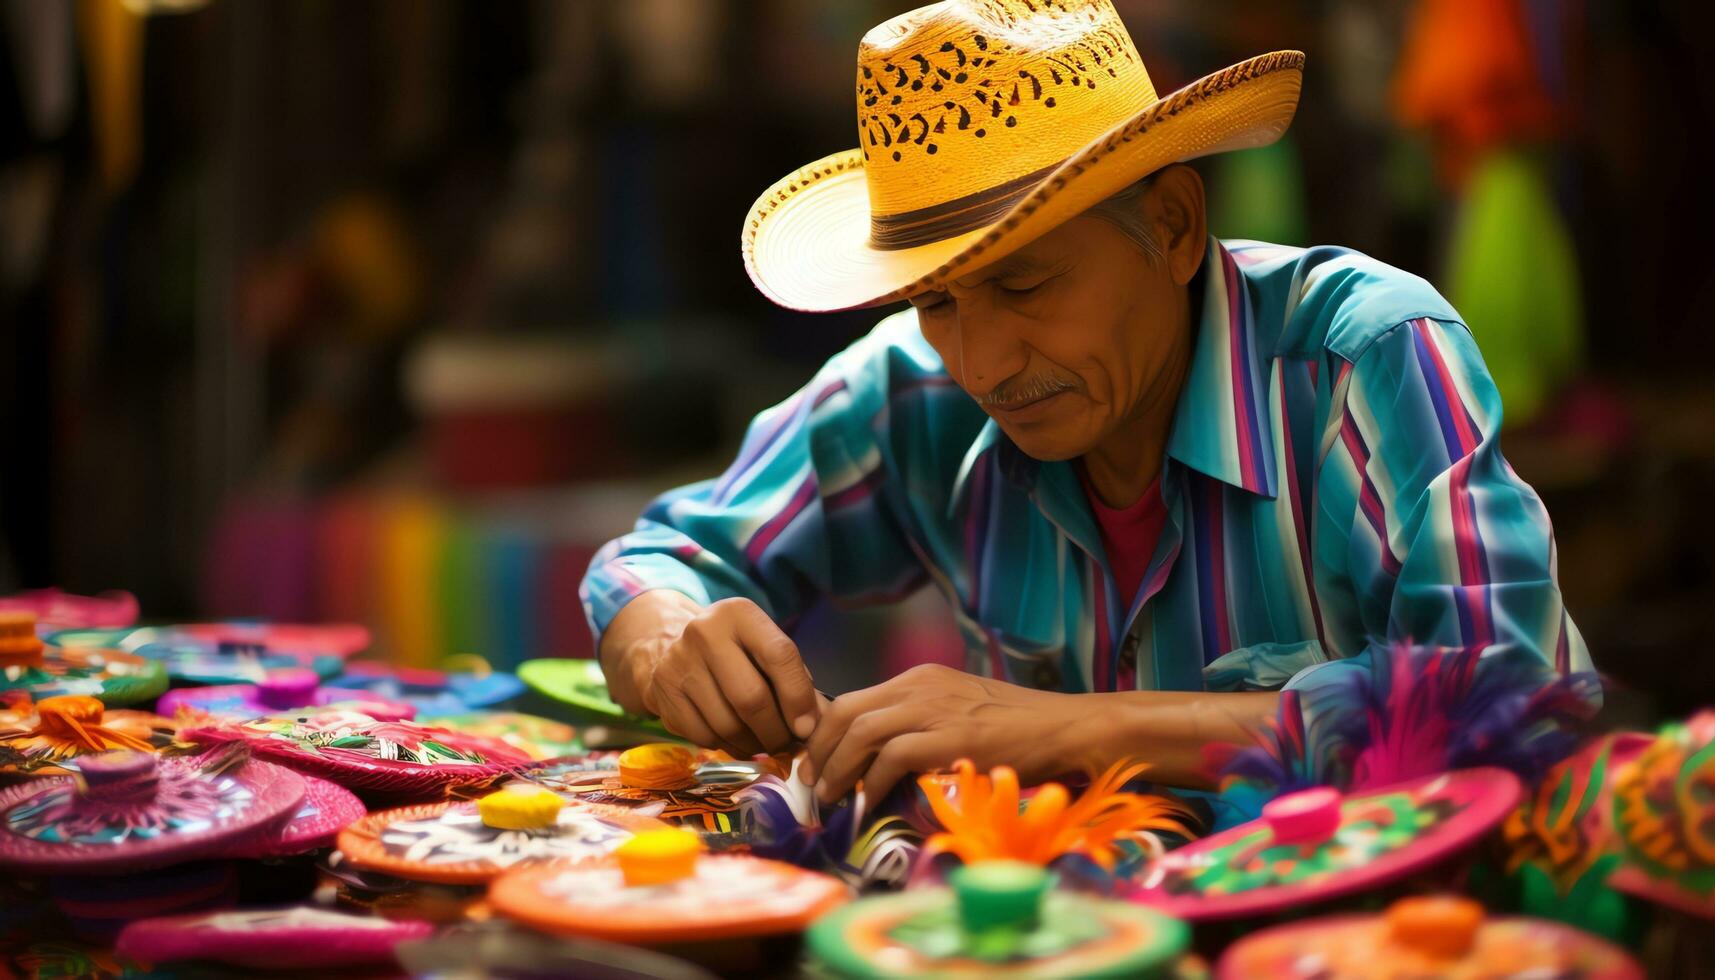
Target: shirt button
[(1045, 677)]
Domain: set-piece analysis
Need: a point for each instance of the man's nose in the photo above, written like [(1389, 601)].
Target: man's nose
[(989, 351)]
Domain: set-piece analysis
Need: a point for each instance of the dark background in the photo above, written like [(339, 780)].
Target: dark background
[(272, 271)]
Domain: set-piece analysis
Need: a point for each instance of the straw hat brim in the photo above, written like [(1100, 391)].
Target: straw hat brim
[(806, 240)]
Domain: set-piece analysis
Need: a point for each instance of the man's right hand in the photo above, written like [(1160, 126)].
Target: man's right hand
[(724, 676)]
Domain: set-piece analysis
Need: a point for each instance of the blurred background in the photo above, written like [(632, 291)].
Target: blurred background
[(394, 311)]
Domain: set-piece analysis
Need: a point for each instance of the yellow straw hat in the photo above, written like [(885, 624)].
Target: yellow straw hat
[(982, 125)]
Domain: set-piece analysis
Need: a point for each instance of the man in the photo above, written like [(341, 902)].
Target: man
[(1158, 477)]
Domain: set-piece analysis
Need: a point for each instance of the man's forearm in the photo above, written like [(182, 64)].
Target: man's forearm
[(645, 624), (1170, 729)]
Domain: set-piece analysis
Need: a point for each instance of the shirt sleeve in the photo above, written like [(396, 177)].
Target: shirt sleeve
[(809, 509), (1425, 534)]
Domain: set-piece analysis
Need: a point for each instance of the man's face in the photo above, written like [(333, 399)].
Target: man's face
[(1064, 340)]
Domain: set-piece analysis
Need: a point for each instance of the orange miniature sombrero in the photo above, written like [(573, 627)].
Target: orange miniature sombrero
[(660, 889), (470, 842), (982, 125)]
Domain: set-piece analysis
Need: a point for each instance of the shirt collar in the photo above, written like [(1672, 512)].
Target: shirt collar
[(1220, 428)]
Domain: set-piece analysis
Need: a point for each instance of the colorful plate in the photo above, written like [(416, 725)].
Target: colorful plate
[(439, 691), (1425, 937), (339, 639), (281, 692), (117, 678), (292, 938), (1315, 845), (46, 739), (134, 810), (539, 738)]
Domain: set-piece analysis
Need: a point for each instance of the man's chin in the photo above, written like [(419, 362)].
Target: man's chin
[(1047, 447)]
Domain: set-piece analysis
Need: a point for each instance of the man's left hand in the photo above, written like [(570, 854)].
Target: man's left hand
[(928, 718)]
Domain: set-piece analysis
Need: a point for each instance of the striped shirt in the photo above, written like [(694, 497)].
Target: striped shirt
[(1333, 480)]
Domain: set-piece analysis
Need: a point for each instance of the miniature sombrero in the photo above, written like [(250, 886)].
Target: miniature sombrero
[(675, 782), (194, 660), (435, 691), (400, 758), (1559, 845), (42, 671), (1664, 816), (273, 939), (983, 124), (126, 811), (999, 918), (326, 809), (659, 889), (282, 692), (1315, 845), (537, 737), (339, 639), (45, 739), (470, 842), (1434, 936), (580, 685), (62, 610)]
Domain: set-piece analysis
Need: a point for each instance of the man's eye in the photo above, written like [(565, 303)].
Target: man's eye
[(1017, 289), (936, 303)]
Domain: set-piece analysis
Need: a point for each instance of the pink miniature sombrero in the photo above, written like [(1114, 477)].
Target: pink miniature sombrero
[(470, 842), (401, 758), (280, 692), (1425, 937), (659, 889), (274, 939), (1316, 845), (326, 809), (127, 811), (340, 639)]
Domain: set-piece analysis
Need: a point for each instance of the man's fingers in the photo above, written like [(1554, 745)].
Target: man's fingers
[(751, 697), (863, 738), (831, 728), (778, 658), (682, 717), (899, 758), (731, 731)]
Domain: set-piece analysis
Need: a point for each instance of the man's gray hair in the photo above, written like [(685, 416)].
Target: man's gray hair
[(1122, 210)]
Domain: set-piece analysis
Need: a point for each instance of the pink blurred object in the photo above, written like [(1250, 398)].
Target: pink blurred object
[(281, 691), (270, 939), (62, 610), (339, 639)]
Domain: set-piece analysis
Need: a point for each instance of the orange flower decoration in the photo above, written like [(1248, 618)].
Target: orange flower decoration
[(983, 820)]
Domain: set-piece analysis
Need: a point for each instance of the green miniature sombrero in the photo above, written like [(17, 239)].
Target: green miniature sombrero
[(115, 677), (580, 685), (1000, 918)]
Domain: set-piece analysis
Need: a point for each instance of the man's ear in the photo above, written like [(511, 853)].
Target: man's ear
[(1175, 209)]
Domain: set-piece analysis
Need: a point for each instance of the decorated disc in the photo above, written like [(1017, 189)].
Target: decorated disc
[(539, 738), (360, 753), (339, 639), (1664, 818), (132, 810), (659, 888), (43, 671), (1000, 918), (581, 685), (1316, 845), (326, 809), (469, 842), (1425, 937), (46, 739), (198, 661), (675, 782), (291, 938), (62, 610), (439, 691), (281, 691)]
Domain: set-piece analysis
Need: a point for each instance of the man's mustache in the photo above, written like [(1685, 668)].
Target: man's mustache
[(1025, 390)]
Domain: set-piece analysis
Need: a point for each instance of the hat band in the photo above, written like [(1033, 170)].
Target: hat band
[(908, 229)]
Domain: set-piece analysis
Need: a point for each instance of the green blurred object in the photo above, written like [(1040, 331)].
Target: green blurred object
[(1513, 275), (1259, 194), (581, 686), (459, 584)]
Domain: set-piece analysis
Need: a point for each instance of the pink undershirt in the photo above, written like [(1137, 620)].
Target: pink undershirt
[(1129, 534)]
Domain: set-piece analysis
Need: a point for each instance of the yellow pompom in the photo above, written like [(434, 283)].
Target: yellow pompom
[(660, 765), (656, 857), (522, 807)]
